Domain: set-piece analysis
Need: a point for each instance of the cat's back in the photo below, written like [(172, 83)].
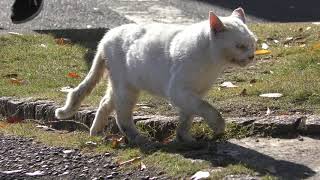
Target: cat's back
[(130, 33)]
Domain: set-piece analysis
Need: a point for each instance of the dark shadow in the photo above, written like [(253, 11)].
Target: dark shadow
[(275, 10), (88, 38), (227, 153)]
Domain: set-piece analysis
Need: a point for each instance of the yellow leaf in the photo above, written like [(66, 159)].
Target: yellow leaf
[(262, 52), (130, 161), (316, 46)]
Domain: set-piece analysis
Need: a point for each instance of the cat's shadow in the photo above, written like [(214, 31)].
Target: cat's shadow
[(222, 154)]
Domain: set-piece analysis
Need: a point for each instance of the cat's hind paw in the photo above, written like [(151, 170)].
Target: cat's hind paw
[(61, 113)]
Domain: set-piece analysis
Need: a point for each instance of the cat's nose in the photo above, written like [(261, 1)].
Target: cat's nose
[(251, 57)]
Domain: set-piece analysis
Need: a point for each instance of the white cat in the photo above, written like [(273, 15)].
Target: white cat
[(179, 63)]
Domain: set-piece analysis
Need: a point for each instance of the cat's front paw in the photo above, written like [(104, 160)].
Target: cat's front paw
[(96, 131), (220, 126), (61, 113)]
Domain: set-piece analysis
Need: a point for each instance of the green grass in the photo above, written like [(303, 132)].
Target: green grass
[(171, 161), (295, 71)]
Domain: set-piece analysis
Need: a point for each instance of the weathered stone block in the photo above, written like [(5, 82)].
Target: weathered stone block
[(277, 125), (311, 125), (13, 106), (3, 105), (243, 121), (29, 110), (40, 110), (160, 127)]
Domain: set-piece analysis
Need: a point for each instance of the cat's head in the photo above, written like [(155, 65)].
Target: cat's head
[(232, 38)]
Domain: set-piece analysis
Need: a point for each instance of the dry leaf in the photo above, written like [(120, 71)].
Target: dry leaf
[(36, 173), (63, 41), (271, 95), (17, 81), (244, 92), (264, 46), (43, 45), (228, 84), (200, 175), (11, 75), (73, 75), (15, 33), (14, 119), (130, 161), (316, 46), (308, 28), (66, 89), (268, 111), (275, 41), (262, 52), (142, 166)]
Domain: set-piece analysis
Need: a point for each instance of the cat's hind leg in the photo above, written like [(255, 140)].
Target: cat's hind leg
[(105, 108), (183, 129), (125, 100)]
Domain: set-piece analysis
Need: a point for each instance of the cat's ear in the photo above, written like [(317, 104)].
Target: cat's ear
[(239, 13), (215, 23)]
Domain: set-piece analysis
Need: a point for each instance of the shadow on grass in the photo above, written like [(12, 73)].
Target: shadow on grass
[(88, 38), (226, 153)]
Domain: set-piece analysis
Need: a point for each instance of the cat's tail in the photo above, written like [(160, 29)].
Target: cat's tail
[(76, 95)]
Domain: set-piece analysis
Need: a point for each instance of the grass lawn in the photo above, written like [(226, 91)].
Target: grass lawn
[(38, 66), (41, 66)]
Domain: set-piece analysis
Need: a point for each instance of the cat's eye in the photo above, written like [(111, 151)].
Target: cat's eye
[(241, 46)]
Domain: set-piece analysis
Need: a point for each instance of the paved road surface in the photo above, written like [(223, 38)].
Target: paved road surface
[(88, 14)]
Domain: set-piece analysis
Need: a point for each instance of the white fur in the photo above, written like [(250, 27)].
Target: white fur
[(179, 63)]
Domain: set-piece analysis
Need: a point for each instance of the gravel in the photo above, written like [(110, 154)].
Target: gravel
[(23, 158)]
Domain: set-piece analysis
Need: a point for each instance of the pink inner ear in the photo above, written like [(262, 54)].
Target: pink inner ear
[(215, 22), (239, 12)]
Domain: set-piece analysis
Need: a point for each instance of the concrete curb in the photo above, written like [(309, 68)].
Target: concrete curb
[(161, 126)]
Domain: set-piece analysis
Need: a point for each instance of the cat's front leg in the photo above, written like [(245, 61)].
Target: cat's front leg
[(193, 104)]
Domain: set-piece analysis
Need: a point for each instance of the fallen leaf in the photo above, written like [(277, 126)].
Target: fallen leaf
[(17, 81), (244, 92), (228, 84), (91, 144), (142, 166), (275, 41), (11, 75), (252, 81), (36, 173), (73, 75), (12, 172), (68, 151), (130, 161), (200, 175), (308, 28), (271, 95), (45, 128), (316, 46), (66, 89), (15, 33), (264, 46), (63, 41), (43, 45), (302, 45), (116, 142), (262, 52), (14, 119), (268, 111)]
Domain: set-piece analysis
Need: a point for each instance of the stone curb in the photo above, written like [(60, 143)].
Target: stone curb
[(160, 126)]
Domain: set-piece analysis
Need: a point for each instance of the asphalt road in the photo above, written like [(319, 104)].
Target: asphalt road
[(90, 14)]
